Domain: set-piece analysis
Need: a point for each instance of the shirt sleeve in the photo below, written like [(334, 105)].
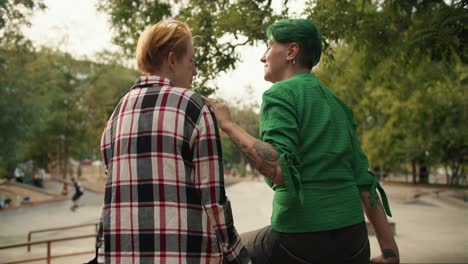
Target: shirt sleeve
[(365, 179), (209, 179), (279, 126)]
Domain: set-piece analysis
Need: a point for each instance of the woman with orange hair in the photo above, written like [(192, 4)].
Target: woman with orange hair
[(164, 199)]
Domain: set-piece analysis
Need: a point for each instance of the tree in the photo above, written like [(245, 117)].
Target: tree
[(449, 103), (385, 58), (221, 27), (394, 29), (13, 15), (81, 96), (400, 85), (247, 118), (16, 104), (54, 106)]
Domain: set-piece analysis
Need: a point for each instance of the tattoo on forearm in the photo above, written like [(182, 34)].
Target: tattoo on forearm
[(265, 151), (269, 157), (237, 142), (388, 253), (264, 158), (245, 150)]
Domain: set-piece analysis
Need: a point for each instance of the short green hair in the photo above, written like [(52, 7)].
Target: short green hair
[(304, 33)]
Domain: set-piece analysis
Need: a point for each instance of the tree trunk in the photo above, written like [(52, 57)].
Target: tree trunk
[(59, 160), (455, 173), (447, 175), (463, 175), (413, 165), (65, 162), (49, 163), (242, 162)]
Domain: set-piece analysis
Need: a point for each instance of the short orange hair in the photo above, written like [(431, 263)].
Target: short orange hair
[(158, 40)]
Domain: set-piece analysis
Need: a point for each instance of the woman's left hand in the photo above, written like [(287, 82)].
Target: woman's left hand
[(222, 112)]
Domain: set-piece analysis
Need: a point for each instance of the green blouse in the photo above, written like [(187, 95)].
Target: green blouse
[(322, 163)]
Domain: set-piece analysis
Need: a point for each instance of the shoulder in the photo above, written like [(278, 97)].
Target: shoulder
[(190, 96), (190, 102), (282, 87), (295, 85), (279, 92), (291, 88)]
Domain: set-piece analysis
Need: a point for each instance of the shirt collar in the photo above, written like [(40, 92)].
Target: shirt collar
[(151, 81)]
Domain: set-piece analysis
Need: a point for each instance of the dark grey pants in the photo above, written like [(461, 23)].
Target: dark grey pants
[(348, 245)]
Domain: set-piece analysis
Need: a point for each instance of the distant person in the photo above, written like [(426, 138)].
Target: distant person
[(5, 203), (77, 194), (311, 157), (19, 174), (165, 200), (38, 178)]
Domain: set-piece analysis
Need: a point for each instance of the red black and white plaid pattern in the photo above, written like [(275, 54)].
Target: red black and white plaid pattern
[(165, 200)]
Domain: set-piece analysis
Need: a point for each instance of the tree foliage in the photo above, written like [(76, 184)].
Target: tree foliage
[(15, 14), (402, 67), (247, 117), (54, 106), (220, 27), (399, 29), (400, 64)]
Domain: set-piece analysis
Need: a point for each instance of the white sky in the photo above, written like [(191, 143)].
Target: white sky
[(78, 28)]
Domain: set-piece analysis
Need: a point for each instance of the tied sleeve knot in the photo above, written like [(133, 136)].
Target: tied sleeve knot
[(373, 196), (291, 174)]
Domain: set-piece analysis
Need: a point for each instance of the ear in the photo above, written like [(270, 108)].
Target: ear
[(293, 51), (171, 59)]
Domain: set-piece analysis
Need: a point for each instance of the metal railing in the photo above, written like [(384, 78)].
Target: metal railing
[(57, 229), (48, 242)]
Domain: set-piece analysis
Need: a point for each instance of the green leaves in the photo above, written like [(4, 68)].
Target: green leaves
[(49, 99), (220, 27), (13, 15), (247, 118), (129, 18), (401, 65)]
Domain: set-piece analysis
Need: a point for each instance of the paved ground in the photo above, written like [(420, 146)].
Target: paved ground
[(430, 229)]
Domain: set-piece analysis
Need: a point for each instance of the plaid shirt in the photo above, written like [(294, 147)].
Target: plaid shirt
[(164, 200)]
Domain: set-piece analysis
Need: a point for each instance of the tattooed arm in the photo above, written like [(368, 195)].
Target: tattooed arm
[(261, 155), (378, 219)]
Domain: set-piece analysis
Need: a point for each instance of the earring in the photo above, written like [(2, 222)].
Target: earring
[(293, 61)]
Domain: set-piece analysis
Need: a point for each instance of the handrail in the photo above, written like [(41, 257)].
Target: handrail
[(48, 242), (55, 229)]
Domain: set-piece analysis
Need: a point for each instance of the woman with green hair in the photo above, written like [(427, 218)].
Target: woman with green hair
[(310, 156)]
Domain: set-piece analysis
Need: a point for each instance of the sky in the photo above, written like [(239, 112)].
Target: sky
[(78, 28)]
